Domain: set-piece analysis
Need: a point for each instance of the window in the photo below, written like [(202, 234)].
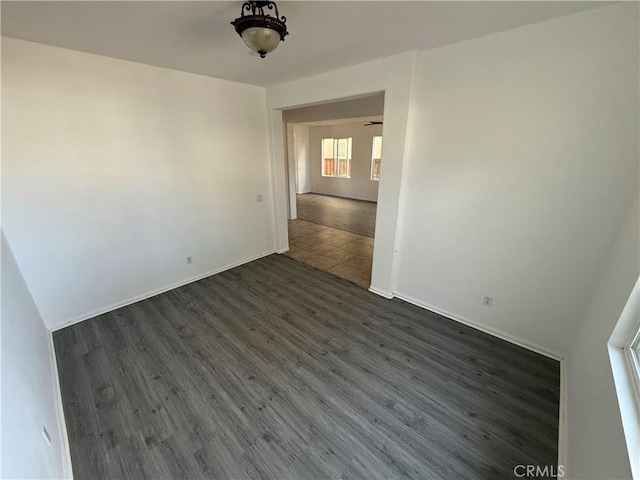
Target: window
[(634, 353), (624, 353), (336, 157), (376, 155)]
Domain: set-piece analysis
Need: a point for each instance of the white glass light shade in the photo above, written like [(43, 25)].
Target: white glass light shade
[(261, 40)]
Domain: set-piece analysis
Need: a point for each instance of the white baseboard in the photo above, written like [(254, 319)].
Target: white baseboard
[(153, 293), (562, 427), (382, 293), (67, 469), (483, 328), (562, 413)]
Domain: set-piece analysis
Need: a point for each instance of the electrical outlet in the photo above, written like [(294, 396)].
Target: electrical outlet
[(46, 435), (258, 198), (189, 260), (487, 301)]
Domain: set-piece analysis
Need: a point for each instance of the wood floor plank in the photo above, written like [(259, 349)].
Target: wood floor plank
[(355, 216), (277, 370)]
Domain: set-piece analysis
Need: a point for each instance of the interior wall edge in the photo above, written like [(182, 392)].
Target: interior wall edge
[(62, 424), (153, 293), (279, 186), (33, 445), (402, 190), (562, 414), (381, 293)]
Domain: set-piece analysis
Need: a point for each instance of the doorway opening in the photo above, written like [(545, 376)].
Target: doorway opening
[(334, 163)]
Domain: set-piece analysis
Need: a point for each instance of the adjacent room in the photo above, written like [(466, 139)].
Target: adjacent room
[(334, 162), (329, 240)]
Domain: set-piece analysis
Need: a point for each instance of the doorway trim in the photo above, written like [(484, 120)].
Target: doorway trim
[(391, 75)]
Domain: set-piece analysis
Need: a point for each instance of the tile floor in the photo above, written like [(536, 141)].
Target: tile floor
[(342, 253)]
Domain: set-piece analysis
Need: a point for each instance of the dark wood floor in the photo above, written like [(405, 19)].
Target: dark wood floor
[(355, 216), (277, 370)]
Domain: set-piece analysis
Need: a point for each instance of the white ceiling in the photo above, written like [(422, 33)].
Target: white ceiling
[(197, 37)]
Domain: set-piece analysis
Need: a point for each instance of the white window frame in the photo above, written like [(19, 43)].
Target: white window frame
[(625, 364), (373, 157), (336, 158), (633, 354)]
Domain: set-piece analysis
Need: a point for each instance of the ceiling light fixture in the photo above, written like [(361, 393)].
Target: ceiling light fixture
[(261, 31)]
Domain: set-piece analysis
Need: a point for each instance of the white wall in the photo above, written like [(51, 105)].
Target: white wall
[(114, 172), (302, 158), (371, 105), (360, 185), (523, 160), (596, 442), (29, 392)]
